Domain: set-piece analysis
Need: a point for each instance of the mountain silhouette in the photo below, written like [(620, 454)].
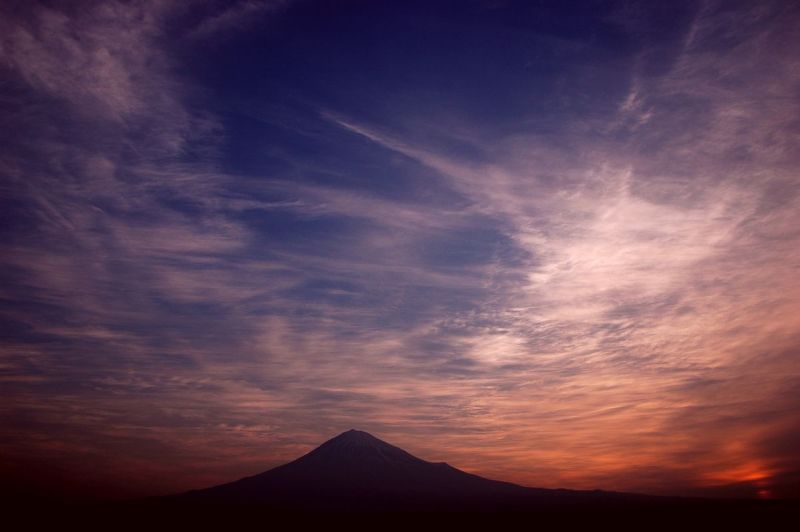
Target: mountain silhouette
[(360, 482), (356, 471)]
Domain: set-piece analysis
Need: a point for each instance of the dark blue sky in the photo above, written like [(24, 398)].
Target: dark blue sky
[(548, 242)]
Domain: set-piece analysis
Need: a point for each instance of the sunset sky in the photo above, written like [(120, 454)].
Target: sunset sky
[(554, 243)]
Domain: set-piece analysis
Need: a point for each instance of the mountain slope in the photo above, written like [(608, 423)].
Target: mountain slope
[(355, 470)]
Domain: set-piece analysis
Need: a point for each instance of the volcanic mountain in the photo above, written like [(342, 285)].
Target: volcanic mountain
[(358, 481), (355, 471)]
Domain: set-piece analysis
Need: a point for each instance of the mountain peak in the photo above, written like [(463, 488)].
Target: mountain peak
[(358, 445), (354, 435)]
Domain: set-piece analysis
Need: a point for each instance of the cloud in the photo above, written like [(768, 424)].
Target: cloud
[(234, 17)]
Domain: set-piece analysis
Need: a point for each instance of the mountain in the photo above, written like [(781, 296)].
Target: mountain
[(356, 471), (360, 482)]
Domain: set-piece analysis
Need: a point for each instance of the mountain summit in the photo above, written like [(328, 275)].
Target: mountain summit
[(358, 445)]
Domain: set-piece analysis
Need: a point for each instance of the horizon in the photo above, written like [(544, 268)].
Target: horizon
[(551, 245), (716, 492)]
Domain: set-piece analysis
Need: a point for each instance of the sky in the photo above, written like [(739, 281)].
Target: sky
[(554, 243)]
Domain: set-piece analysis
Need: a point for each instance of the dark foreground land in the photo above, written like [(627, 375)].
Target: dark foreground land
[(664, 515)]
